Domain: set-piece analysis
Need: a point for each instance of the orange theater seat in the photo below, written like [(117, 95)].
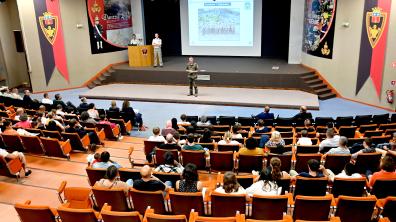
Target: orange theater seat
[(32, 213), (74, 197), (116, 216)]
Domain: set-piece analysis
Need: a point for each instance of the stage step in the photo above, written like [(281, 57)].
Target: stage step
[(318, 86), (100, 80), (327, 96)]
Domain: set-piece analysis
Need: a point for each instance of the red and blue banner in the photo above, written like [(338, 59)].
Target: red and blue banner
[(49, 25), (373, 43)]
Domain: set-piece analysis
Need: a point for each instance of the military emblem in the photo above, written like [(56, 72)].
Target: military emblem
[(375, 23), (144, 51), (325, 50), (95, 7), (49, 26)]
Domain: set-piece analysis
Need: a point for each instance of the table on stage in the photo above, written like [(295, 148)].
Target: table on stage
[(140, 56)]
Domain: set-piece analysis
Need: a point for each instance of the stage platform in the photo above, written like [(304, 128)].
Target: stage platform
[(218, 71), (291, 99)]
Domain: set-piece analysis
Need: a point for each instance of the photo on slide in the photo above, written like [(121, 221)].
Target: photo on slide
[(219, 24)]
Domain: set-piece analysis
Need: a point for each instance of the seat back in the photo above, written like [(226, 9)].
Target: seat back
[(344, 121), (246, 121), (381, 139), (352, 141), (355, 209), (323, 121), (113, 114), (245, 180), (159, 155), (389, 208), (383, 188), (128, 173), (302, 161), (52, 147), (151, 217), (336, 162), (149, 146), (370, 133), (81, 215), (172, 177), (142, 199), (35, 131), (362, 120), (95, 174), (368, 161), (312, 208), (221, 161), (192, 118), (108, 131), (226, 120), (75, 141), (269, 207), (195, 157), (349, 187), (387, 126), (114, 197), (285, 161), (347, 131), (116, 216), (280, 150), (52, 134), (381, 119), (311, 186), (78, 197), (10, 168), (234, 203), (364, 128), (13, 143), (282, 121), (33, 144), (228, 147), (182, 203), (247, 163), (307, 149), (209, 146), (29, 213)]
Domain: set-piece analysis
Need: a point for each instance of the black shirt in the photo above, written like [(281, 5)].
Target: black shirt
[(151, 185), (170, 146)]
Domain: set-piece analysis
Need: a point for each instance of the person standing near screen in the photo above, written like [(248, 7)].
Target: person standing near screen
[(157, 43), (192, 70), (134, 41)]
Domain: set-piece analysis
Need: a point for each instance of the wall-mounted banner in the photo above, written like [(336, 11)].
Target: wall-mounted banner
[(110, 25), (49, 25), (319, 20), (373, 43)]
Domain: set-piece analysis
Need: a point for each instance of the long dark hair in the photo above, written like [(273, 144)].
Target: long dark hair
[(276, 173), (125, 105), (267, 177), (174, 124), (230, 182), (190, 174)]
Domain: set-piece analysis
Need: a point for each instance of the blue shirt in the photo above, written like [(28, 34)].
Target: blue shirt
[(105, 165), (265, 116)]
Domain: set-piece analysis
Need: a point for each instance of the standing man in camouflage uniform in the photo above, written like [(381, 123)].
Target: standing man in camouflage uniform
[(192, 70)]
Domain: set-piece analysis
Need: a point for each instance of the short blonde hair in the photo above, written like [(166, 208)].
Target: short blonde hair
[(228, 135), (276, 136)]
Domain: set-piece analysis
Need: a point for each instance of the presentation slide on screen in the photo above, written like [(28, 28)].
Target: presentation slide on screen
[(221, 27)]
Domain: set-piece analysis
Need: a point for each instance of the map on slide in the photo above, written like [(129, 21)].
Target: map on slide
[(219, 24)]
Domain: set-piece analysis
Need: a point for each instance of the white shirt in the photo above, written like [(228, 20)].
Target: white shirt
[(157, 138), (157, 43), (221, 190), (135, 42), (304, 141), (47, 101), (232, 142), (329, 142), (258, 188), (344, 175)]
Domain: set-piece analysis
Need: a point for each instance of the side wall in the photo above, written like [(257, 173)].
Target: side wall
[(82, 64), (341, 71)]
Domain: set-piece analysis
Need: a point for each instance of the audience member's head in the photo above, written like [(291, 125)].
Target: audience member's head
[(83, 100), (52, 126), (190, 138), (169, 159), (111, 172), (58, 96), (275, 136), (146, 172), (307, 123), (303, 109), (102, 117), (42, 108), (156, 131), (7, 124), (190, 129), (275, 164), (230, 183), (227, 136), (330, 133), (176, 136), (207, 134), (388, 164), (113, 104), (125, 105), (203, 119), (313, 165), (169, 138), (367, 142), (15, 90), (23, 117), (251, 143), (183, 117), (84, 116), (46, 95), (304, 133), (236, 127), (267, 109), (59, 107), (174, 124), (72, 123), (260, 123), (190, 173), (20, 111), (26, 92), (34, 124), (91, 106), (105, 156), (168, 124), (350, 169), (343, 142)]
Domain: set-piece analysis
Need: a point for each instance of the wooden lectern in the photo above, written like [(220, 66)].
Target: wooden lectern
[(140, 56)]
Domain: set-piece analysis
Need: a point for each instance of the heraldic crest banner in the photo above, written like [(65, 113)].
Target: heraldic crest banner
[(49, 25), (373, 43), (319, 21)]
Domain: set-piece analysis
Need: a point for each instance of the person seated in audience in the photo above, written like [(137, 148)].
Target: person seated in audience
[(203, 122), (16, 155), (93, 158), (75, 127), (58, 100), (175, 126), (251, 148), (236, 131), (387, 171), (266, 114), (304, 140), (330, 141), (281, 150), (303, 114), (53, 124), (27, 99), (93, 113), (227, 139), (178, 140), (84, 104), (8, 129), (156, 135), (261, 128), (112, 180), (308, 126), (342, 147), (42, 109), (230, 185), (190, 145), (190, 181), (266, 185), (46, 99), (15, 94), (59, 111), (315, 170), (131, 115), (18, 113), (23, 122), (85, 118), (388, 146), (183, 122), (105, 161), (206, 136), (275, 140), (149, 182), (168, 129), (170, 166), (170, 143), (349, 172), (104, 120), (113, 106), (367, 148), (6, 92)]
